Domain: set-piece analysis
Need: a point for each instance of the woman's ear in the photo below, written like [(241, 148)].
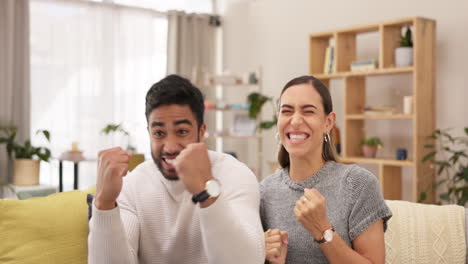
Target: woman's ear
[(330, 121)]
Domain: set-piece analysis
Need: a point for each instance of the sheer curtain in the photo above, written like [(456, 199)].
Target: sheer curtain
[(14, 74), (192, 45), (91, 65)]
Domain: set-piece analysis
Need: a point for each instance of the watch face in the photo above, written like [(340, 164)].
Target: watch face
[(328, 235), (213, 187)]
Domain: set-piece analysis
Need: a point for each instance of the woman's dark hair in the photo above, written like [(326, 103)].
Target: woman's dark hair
[(174, 89), (328, 149)]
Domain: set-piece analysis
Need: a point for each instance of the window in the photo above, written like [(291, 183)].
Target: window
[(189, 6), (91, 65)]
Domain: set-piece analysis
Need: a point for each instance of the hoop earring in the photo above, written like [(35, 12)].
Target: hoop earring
[(327, 138)]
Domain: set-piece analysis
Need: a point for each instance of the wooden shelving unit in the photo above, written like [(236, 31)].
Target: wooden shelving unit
[(423, 85), (221, 137)]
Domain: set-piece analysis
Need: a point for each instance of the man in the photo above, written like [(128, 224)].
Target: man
[(187, 205)]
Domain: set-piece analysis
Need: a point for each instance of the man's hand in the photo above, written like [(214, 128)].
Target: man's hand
[(112, 166), (193, 167), (311, 212), (276, 246)]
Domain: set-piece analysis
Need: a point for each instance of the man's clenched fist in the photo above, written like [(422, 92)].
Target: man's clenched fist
[(112, 167)]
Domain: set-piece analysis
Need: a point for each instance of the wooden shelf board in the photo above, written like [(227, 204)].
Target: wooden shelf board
[(360, 29), (399, 22), (226, 110), (399, 70), (378, 117), (383, 161), (231, 136), (322, 35), (374, 27), (242, 85)]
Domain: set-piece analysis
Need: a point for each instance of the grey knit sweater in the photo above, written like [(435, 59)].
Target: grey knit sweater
[(354, 202)]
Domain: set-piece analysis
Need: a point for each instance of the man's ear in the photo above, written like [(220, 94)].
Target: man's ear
[(201, 132)]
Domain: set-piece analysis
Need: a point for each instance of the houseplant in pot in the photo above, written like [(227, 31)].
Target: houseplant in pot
[(370, 145), (449, 156), (26, 157), (404, 54), (136, 158), (256, 101)]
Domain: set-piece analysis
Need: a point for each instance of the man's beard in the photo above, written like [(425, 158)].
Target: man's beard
[(158, 162)]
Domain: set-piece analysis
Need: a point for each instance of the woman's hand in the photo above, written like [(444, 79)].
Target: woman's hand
[(311, 212), (276, 246)]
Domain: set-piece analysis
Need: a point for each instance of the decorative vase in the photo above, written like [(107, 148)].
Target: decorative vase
[(26, 172), (403, 56), (368, 151)]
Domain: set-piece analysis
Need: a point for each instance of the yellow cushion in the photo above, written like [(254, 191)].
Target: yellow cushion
[(52, 229), (135, 160)]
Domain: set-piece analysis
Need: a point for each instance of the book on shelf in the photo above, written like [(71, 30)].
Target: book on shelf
[(226, 80), (379, 110), (364, 65), (243, 125), (332, 67), (328, 66)]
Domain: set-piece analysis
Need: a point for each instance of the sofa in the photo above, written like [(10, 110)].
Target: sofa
[(54, 229)]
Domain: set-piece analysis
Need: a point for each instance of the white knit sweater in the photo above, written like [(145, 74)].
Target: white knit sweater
[(156, 221)]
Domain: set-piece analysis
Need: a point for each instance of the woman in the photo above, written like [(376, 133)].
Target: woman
[(315, 209)]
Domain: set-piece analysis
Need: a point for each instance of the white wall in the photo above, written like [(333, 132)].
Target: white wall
[(274, 34)]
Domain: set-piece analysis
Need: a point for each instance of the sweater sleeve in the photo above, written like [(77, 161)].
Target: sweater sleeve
[(367, 203), (231, 228), (113, 235)]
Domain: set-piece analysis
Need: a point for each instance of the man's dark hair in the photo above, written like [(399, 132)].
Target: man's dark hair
[(174, 89)]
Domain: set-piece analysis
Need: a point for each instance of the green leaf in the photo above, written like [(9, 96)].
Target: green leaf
[(439, 183), (445, 197), (372, 142), (429, 146), (448, 136), (466, 130), (46, 134), (429, 156), (422, 197), (463, 173), (442, 163), (267, 124), (441, 169), (256, 101), (43, 154), (463, 199), (110, 128)]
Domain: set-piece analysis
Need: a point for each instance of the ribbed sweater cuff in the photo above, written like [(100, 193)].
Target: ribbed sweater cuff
[(106, 219)]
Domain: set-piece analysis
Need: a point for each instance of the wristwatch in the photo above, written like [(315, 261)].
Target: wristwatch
[(212, 189), (327, 236)]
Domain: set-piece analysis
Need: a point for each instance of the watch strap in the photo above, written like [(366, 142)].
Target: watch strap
[(201, 197), (323, 240)]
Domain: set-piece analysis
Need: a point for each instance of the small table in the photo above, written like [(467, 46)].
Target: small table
[(75, 174), (72, 156)]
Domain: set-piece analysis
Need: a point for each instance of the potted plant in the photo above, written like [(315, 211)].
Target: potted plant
[(404, 54), (136, 158), (256, 101), (370, 145), (26, 156), (451, 165)]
